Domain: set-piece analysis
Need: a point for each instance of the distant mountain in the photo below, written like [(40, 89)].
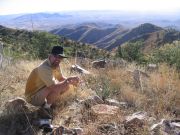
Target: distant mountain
[(104, 29), (49, 21), (38, 21), (86, 33), (111, 38), (157, 39), (132, 34)]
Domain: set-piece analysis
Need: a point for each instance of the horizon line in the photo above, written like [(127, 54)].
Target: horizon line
[(108, 10)]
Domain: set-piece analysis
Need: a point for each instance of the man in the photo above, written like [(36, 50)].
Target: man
[(46, 82)]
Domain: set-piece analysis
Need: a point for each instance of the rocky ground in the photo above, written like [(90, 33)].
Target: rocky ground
[(110, 101)]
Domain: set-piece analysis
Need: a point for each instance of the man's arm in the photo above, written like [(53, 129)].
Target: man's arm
[(64, 85), (59, 76)]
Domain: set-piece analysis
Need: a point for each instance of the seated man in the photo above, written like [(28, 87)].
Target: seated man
[(46, 82)]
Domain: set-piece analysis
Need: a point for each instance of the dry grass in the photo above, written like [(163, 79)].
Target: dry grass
[(160, 96), (13, 79), (160, 93)]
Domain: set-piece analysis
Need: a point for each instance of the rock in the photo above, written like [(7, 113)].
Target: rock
[(16, 105), (151, 67), (107, 128), (139, 115), (67, 131), (136, 119), (176, 111), (103, 109), (93, 100), (169, 127), (155, 127), (99, 64), (98, 100), (114, 102), (151, 120), (176, 123), (17, 118), (78, 69), (139, 76), (78, 131)]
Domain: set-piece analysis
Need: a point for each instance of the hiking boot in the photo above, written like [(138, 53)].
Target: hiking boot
[(44, 124), (44, 113)]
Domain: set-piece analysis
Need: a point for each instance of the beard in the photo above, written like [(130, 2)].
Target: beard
[(55, 63)]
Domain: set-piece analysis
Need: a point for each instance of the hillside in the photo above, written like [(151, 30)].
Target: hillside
[(134, 33), (23, 44), (157, 39), (86, 33), (129, 101), (111, 38), (124, 98)]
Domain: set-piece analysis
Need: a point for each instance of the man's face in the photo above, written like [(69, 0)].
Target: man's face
[(55, 60)]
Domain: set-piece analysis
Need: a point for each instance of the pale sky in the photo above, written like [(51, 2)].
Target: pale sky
[(32, 6)]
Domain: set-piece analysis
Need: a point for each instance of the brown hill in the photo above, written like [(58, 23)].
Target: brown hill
[(85, 33), (134, 33), (112, 37), (156, 39)]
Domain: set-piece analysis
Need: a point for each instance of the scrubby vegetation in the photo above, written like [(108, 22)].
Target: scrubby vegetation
[(132, 85), (156, 94), (168, 53), (37, 45)]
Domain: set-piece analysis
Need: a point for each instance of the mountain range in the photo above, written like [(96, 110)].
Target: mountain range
[(104, 29), (49, 21), (110, 38)]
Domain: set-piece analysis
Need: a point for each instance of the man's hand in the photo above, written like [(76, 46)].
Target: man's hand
[(74, 80)]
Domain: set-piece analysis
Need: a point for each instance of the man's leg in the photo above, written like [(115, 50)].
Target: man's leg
[(55, 92), (39, 98), (48, 95)]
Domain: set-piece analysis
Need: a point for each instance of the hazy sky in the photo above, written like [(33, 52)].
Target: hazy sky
[(31, 6)]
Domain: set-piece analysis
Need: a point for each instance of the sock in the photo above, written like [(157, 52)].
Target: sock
[(46, 105)]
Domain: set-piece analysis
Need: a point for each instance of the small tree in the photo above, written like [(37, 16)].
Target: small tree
[(131, 51), (169, 53), (42, 43)]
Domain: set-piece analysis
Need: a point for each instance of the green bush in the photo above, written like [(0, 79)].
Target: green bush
[(131, 51), (169, 53)]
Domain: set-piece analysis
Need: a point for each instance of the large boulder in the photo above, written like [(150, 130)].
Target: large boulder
[(16, 105), (18, 118)]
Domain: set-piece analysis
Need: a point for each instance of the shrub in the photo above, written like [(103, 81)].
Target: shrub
[(131, 52), (169, 53)]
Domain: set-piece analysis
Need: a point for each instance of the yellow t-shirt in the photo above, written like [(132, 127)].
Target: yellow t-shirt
[(42, 76)]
